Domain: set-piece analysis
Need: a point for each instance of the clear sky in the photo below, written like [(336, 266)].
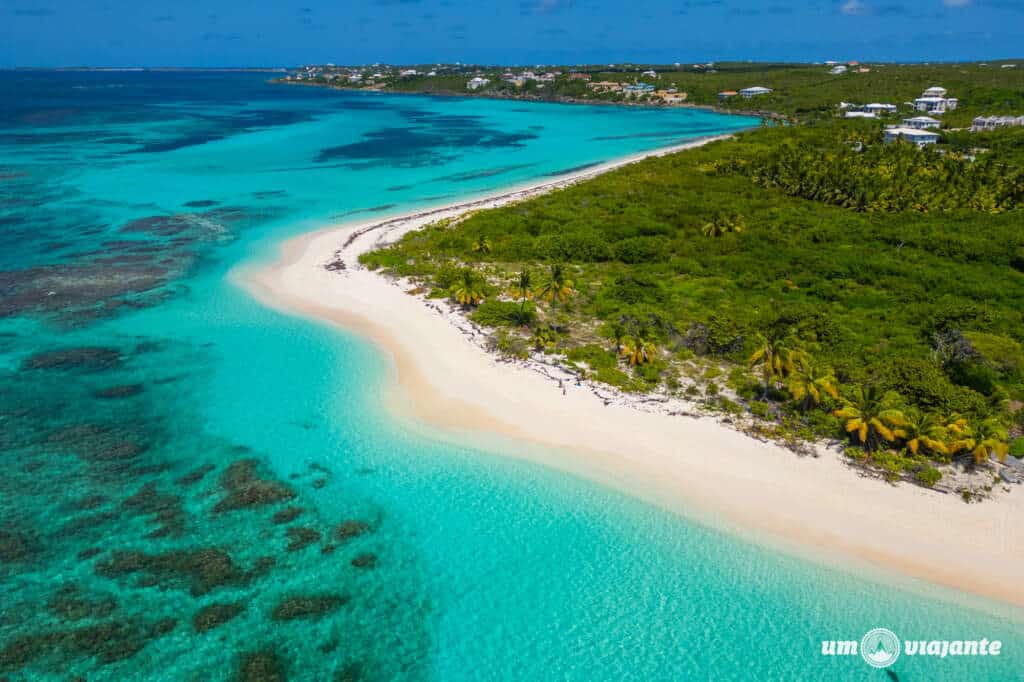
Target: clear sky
[(290, 32)]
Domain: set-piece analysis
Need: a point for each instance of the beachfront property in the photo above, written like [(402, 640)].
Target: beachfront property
[(983, 123), (756, 91), (638, 89), (476, 83), (726, 94), (922, 123), (921, 138)]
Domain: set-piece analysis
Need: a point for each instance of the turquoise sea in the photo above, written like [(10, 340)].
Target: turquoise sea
[(195, 487)]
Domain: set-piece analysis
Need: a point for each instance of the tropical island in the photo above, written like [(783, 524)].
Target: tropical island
[(812, 281)]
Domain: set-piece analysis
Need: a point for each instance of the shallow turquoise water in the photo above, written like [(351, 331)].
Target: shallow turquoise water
[(486, 567)]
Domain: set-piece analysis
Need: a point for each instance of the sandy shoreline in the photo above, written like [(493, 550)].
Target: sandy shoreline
[(815, 505)]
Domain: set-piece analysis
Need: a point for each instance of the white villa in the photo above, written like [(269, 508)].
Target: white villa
[(993, 122), (922, 138), (838, 70), (922, 123), (934, 101), (477, 83), (876, 108), (860, 114), (755, 91)]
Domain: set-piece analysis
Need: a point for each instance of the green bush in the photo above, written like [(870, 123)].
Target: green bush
[(928, 476), (495, 313)]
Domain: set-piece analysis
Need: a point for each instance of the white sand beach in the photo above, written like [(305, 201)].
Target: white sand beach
[(817, 506)]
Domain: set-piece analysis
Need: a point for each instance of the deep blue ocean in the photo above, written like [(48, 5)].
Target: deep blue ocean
[(194, 487)]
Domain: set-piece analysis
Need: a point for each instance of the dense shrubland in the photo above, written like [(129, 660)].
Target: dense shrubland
[(740, 275)]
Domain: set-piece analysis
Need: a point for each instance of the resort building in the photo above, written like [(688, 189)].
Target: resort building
[(755, 91), (993, 122), (638, 89), (935, 91), (876, 108), (922, 123), (477, 83), (922, 138)]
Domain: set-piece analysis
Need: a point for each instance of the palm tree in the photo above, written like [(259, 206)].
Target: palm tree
[(871, 415), (776, 358), (556, 287), (482, 245), (522, 290), (543, 337), (923, 431), (811, 383), (467, 289), (722, 225), (984, 439), (638, 350)]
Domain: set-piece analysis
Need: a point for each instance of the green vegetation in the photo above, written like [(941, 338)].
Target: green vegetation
[(894, 320)]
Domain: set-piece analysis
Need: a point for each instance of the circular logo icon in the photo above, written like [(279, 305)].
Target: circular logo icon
[(880, 648)]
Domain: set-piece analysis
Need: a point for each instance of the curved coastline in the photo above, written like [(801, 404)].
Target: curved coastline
[(813, 506)]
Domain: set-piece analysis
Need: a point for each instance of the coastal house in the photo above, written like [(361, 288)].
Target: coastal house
[(477, 83), (983, 123), (605, 86), (922, 123), (860, 114), (408, 73), (921, 138), (638, 89), (726, 94), (580, 77), (650, 74), (838, 70), (755, 91), (934, 101), (880, 109)]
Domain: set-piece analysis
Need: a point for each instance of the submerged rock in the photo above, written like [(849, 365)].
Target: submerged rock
[(16, 545), (117, 392), (246, 489), (300, 537), (261, 666), (108, 642), (166, 510), (215, 614), (194, 477), (88, 358), (200, 570), (286, 515), (308, 606), (366, 560), (69, 604), (352, 528)]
